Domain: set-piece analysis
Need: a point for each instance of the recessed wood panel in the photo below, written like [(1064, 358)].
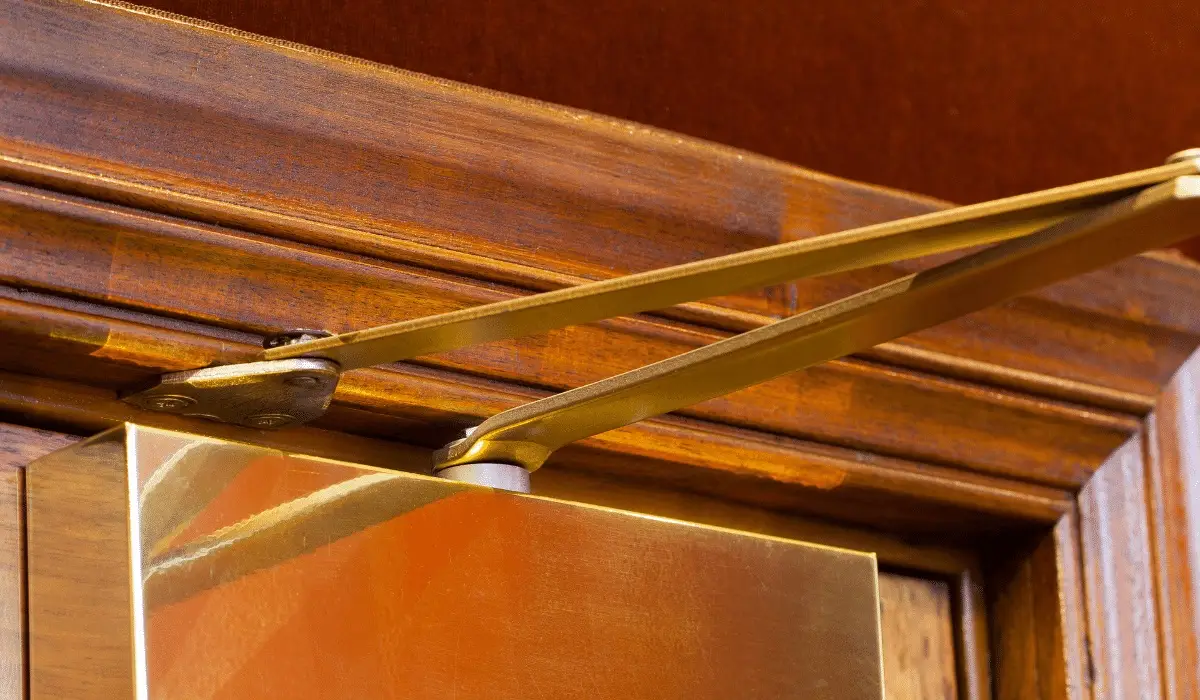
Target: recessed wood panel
[(918, 639)]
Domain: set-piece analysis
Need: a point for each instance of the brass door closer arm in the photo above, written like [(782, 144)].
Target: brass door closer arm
[(1040, 238)]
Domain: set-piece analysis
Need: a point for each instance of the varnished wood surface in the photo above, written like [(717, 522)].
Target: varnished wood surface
[(13, 442), (78, 552), (1172, 454), (396, 196), (20, 445), (919, 638), (732, 463), (220, 277), (1120, 581), (914, 95), (1038, 616), (492, 187)]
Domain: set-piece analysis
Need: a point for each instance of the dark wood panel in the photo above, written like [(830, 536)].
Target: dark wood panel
[(251, 283), (403, 167), (1038, 613), (1173, 467)]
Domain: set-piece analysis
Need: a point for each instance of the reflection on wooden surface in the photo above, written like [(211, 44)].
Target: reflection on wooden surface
[(284, 576)]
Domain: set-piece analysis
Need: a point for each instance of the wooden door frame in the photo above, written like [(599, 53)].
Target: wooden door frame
[(1021, 455)]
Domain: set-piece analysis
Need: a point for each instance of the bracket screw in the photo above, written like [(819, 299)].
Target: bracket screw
[(168, 403), (303, 381), (270, 420)]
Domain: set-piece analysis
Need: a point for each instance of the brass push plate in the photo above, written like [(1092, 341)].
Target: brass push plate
[(164, 565)]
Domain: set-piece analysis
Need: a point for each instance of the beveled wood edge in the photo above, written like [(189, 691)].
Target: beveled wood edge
[(1099, 428), (1035, 600), (972, 632), (810, 482), (571, 117), (1122, 571), (784, 462), (13, 622), (1172, 458)]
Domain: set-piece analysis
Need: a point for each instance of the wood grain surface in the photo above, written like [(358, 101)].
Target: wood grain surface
[(918, 639), (1038, 616), (733, 463), (1172, 442), (911, 94), (166, 205), (220, 277), (79, 576), (914, 95), (14, 441), (1119, 571)]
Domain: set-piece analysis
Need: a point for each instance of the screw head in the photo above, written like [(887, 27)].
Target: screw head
[(169, 402), (303, 381), (269, 420)]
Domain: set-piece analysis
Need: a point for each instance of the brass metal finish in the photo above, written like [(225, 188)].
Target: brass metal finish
[(269, 394), (1188, 154), (526, 435), (937, 232), (164, 565)]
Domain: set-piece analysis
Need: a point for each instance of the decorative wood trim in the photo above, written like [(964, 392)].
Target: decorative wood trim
[(1119, 575), (965, 451), (735, 463), (738, 465), (1172, 443), (972, 649), (407, 168), (1036, 604), (157, 265)]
